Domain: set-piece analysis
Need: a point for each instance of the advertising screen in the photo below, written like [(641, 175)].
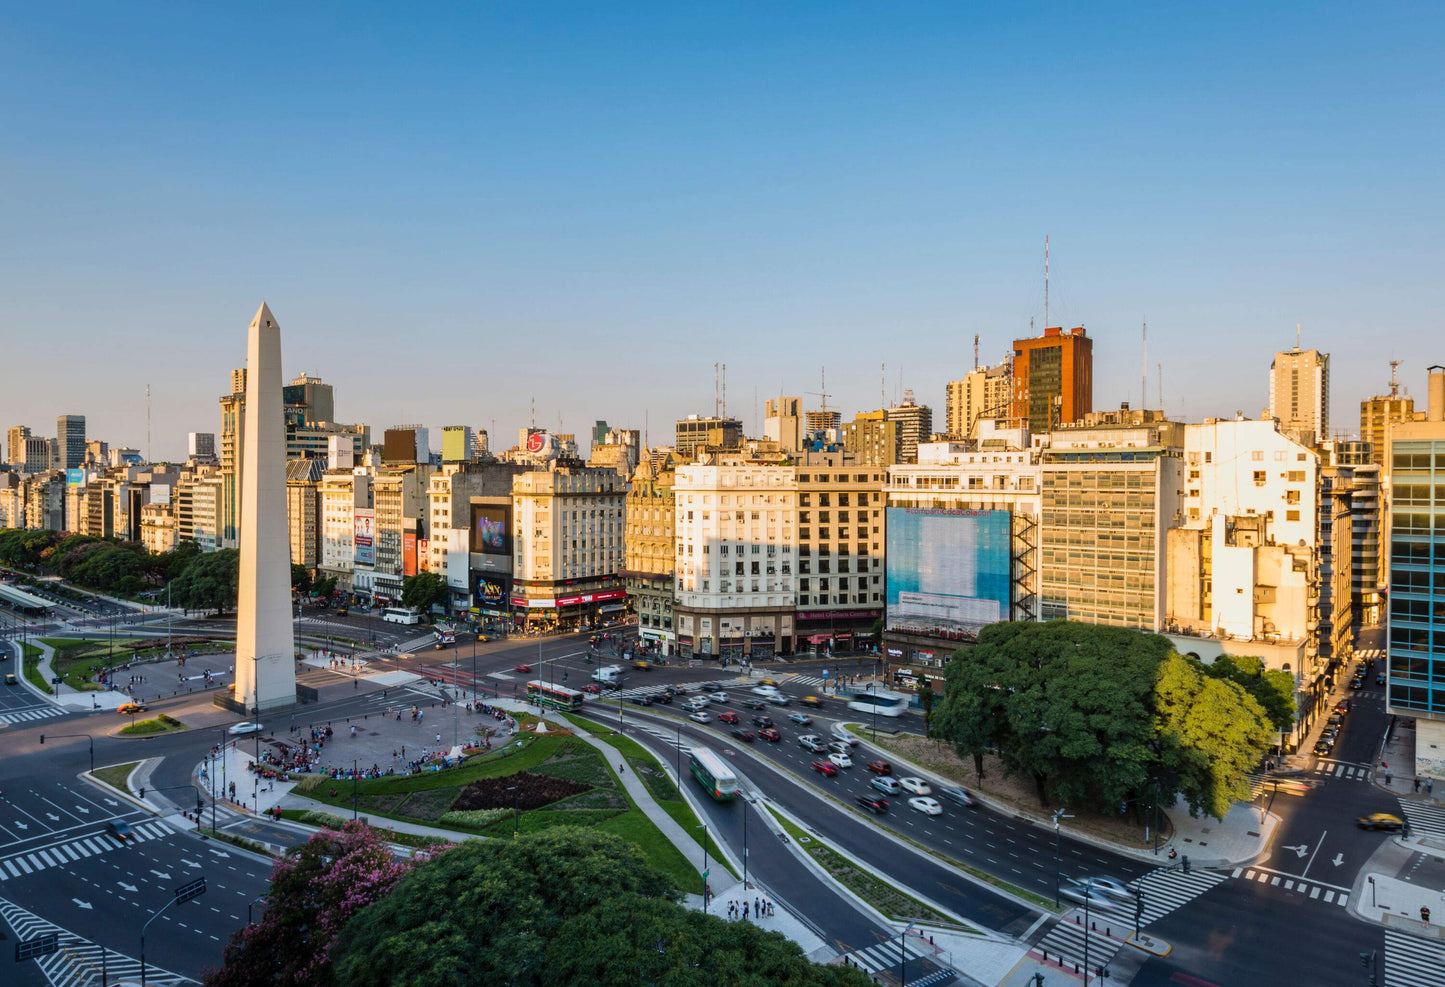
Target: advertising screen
[(948, 570), (491, 592), (365, 537), (408, 553), (74, 478), (491, 530)]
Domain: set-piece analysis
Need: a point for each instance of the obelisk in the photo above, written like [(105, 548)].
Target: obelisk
[(265, 642)]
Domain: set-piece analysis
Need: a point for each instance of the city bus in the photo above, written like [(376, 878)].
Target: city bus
[(556, 696), (881, 701), (400, 615), (713, 774)]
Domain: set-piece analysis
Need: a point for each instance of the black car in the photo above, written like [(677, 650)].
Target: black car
[(662, 697), (640, 700), (1324, 747), (745, 735), (753, 704), (1357, 683), (762, 721), (710, 687), (873, 804)]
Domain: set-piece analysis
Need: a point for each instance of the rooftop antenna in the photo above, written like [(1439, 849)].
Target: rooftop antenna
[(1144, 365), (1296, 335), (646, 444), (1046, 281), (975, 351), (1159, 373), (823, 383), (724, 390), (716, 384), (534, 411), (1394, 378), (883, 385), (148, 423)]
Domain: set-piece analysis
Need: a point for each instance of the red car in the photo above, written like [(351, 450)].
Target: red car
[(827, 768), (593, 688), (524, 669), (768, 733), (728, 717), (880, 767)]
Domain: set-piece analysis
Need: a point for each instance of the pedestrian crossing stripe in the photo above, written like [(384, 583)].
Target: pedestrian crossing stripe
[(1068, 943), (30, 715), (882, 955), (1425, 818), (58, 854), (1330, 894), (1411, 961), (80, 961), (1166, 889)]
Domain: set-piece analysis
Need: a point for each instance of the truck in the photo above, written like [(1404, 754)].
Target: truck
[(608, 674)]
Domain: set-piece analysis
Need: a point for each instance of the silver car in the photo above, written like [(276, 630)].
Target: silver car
[(1111, 886), (1092, 897)]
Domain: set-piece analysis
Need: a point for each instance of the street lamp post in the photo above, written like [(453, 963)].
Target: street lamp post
[(517, 807), (705, 869), (903, 954), (1059, 816)]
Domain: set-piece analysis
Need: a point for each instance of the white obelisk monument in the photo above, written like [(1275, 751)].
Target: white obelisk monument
[(265, 641)]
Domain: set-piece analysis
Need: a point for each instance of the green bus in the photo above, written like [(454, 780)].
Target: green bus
[(713, 774), (556, 696)]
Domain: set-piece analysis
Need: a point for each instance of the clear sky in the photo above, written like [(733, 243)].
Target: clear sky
[(452, 210)]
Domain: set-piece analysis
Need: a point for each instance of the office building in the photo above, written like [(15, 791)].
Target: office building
[(840, 550), (696, 434), (457, 443), (15, 437), (303, 511), (347, 526), (872, 437), (1110, 488), (70, 440), (1299, 393), (201, 446), (469, 534), (736, 588), (97, 453), (783, 422), (982, 394), (649, 552), (1416, 602), (1053, 379), (306, 399), (233, 426), (1377, 414), (567, 546), (399, 498), (915, 424)]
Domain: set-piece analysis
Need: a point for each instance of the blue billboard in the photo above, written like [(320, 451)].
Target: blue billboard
[(949, 571)]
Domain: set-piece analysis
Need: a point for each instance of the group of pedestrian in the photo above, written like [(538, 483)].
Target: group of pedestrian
[(761, 908)]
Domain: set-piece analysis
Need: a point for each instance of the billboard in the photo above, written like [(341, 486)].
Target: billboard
[(365, 537), (75, 478), (408, 553), (491, 530), (491, 592), (948, 570)]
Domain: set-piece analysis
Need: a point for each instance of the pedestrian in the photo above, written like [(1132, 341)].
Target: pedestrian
[(439, 738), (1429, 786), (1417, 785), (745, 911)]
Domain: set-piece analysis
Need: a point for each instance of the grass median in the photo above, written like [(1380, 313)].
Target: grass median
[(151, 727), (115, 775)]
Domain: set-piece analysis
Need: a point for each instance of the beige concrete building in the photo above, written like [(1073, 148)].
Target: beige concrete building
[(463, 500), (1377, 414), (915, 425), (567, 545), (233, 424), (696, 433), (399, 496), (649, 556), (840, 550), (783, 422), (158, 531), (344, 493), (872, 437), (1299, 393), (983, 394), (303, 511), (736, 554)]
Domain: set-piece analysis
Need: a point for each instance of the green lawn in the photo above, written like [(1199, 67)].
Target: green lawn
[(29, 664), (115, 775), (146, 728)]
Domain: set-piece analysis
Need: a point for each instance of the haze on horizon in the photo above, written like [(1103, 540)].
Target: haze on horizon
[(453, 211)]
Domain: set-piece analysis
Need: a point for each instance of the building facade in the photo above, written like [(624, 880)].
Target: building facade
[(696, 433), (872, 437), (1377, 414), (303, 512), (650, 564), (1053, 379), (914, 422), (985, 393), (1299, 393), (70, 439), (840, 551)]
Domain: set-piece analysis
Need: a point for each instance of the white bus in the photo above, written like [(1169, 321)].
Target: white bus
[(713, 774), (881, 701), (400, 615)]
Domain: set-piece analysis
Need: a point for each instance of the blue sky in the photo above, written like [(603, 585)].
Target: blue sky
[(451, 210)]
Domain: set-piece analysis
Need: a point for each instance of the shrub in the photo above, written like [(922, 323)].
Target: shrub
[(474, 818)]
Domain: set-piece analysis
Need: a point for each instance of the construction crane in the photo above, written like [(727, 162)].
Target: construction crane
[(823, 383)]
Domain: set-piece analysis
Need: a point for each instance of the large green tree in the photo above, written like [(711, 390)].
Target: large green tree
[(300, 577), (26, 548), (208, 582), (316, 889), (1272, 688), (419, 592), (560, 907)]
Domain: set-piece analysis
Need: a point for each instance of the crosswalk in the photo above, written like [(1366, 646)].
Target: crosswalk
[(1425, 818), (30, 715), (1163, 891), (1330, 894), (1342, 769), (61, 854), (79, 961), (1413, 962), (884, 955)]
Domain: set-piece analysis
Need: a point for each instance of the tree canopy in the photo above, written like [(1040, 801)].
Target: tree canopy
[(1272, 688), (559, 907), (1100, 717), (300, 577), (208, 582), (420, 591)]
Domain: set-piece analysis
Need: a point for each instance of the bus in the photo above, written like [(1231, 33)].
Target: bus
[(713, 774), (557, 696), (400, 615), (881, 702)]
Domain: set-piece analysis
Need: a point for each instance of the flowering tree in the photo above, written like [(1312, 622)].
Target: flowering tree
[(315, 889)]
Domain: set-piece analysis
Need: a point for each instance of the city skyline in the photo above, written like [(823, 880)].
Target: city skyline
[(661, 190)]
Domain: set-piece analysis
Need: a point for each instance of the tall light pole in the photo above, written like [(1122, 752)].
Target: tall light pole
[(1059, 816), (705, 869), (903, 954)]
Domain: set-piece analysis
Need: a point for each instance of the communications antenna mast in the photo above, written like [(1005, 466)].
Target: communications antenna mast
[(1394, 378)]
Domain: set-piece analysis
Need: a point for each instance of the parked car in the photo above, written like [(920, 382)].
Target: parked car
[(1357, 683), (699, 716), (1324, 747), (889, 786), (1343, 706), (879, 767), (1380, 820), (960, 795), (801, 719), (747, 736), (826, 768), (812, 701), (842, 760), (927, 806), (873, 804), (729, 717)]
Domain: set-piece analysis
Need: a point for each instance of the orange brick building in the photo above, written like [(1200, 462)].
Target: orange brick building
[(1053, 379)]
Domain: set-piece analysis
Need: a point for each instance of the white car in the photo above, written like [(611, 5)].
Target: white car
[(927, 806), (243, 728), (700, 717), (718, 697), (842, 760), (916, 785)]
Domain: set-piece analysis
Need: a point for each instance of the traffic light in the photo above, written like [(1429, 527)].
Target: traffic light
[(1365, 960), (42, 738), (1186, 863), (142, 791)]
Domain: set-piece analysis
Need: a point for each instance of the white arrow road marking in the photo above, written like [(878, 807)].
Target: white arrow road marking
[(52, 817), (1302, 849), (21, 825), (191, 863), (163, 877), (110, 801), (220, 853), (1339, 859), (82, 904), (81, 808), (128, 887)]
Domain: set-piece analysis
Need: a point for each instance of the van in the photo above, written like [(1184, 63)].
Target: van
[(608, 674)]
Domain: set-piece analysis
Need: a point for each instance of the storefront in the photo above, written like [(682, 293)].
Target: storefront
[(830, 631), (568, 612)]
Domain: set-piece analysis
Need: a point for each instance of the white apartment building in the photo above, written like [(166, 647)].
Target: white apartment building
[(342, 495), (736, 554), (982, 394), (158, 528), (567, 545)]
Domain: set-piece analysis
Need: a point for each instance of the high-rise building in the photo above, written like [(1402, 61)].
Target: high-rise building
[(457, 443), (1377, 414), (233, 429), (567, 542), (783, 422), (38, 454), (303, 511), (1416, 602), (469, 534), (650, 558), (915, 425), (1053, 379), (823, 421), (1299, 393), (983, 393), (97, 453), (872, 437), (70, 437), (307, 400), (201, 446), (695, 433), (15, 437), (840, 550)]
